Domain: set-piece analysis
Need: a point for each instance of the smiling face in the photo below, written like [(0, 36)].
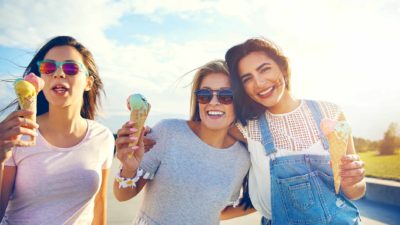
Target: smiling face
[(262, 79), (215, 115), (64, 90)]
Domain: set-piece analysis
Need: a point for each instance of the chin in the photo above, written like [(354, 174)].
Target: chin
[(270, 102), (212, 125)]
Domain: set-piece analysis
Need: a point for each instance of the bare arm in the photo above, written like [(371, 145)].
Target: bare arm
[(11, 129), (130, 158), (230, 212), (7, 187), (100, 201)]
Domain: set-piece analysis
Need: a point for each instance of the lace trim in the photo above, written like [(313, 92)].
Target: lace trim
[(242, 129)]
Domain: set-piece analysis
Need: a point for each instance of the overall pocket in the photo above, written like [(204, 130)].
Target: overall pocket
[(342, 210), (300, 200)]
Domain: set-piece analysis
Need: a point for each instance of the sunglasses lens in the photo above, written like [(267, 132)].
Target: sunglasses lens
[(47, 67), (70, 68), (225, 96), (203, 96)]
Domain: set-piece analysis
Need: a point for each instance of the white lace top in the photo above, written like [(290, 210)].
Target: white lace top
[(293, 133)]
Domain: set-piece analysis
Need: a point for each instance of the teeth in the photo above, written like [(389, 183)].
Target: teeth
[(266, 91), (60, 89), (215, 113)]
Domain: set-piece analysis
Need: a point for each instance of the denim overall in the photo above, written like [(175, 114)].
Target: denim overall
[(302, 187)]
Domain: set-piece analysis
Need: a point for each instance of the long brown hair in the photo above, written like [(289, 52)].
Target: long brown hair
[(245, 107), (91, 98), (215, 66)]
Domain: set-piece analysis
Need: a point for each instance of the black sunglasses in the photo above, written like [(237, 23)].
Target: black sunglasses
[(224, 96)]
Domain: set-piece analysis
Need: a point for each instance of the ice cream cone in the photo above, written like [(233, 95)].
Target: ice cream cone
[(139, 118), (29, 104), (338, 134), (27, 90), (140, 109)]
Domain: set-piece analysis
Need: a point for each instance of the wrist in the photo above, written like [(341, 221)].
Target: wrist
[(124, 182), (127, 173)]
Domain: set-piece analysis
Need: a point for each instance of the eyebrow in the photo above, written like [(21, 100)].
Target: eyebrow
[(221, 88), (68, 60), (258, 68), (262, 65)]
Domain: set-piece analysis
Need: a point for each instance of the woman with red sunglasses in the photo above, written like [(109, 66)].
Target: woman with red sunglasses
[(195, 169), (62, 178), (290, 180)]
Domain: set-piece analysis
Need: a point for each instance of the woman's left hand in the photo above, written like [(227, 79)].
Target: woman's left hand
[(352, 170)]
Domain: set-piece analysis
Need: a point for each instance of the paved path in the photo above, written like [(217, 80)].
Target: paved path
[(122, 213)]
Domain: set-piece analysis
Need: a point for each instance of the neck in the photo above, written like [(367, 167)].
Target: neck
[(214, 138), (64, 120), (285, 105)]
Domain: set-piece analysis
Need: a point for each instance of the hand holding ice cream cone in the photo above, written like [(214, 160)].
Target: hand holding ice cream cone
[(27, 90), (129, 142)]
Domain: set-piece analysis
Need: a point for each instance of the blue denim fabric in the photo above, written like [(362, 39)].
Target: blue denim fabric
[(302, 187)]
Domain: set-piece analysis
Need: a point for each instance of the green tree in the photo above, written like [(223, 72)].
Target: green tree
[(361, 144), (390, 140)]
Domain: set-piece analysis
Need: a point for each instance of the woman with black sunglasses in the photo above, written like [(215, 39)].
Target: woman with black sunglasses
[(62, 178), (195, 169), (290, 180)]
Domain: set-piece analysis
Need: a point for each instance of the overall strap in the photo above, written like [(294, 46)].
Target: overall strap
[(266, 136), (317, 114)]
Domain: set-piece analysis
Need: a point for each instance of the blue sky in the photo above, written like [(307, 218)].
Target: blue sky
[(340, 51)]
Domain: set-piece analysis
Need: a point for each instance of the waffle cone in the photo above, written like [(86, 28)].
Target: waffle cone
[(337, 149), (30, 105), (139, 117)]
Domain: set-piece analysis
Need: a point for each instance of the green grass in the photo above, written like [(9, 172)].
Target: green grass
[(386, 166)]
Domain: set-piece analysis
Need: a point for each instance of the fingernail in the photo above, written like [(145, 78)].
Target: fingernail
[(132, 137), (134, 147), (133, 129)]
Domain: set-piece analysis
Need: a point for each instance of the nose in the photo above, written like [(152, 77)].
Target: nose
[(59, 72), (214, 98), (260, 80)]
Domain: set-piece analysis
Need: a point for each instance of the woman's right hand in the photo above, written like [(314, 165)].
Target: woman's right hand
[(11, 130), (130, 157)]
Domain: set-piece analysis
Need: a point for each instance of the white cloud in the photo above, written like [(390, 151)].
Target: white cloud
[(151, 7), (28, 23)]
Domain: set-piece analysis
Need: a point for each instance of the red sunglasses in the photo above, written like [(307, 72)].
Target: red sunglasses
[(224, 96), (71, 68)]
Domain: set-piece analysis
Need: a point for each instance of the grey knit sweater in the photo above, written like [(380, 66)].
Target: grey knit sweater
[(192, 181)]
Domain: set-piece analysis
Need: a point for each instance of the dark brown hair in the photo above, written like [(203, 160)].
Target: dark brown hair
[(245, 107), (91, 98)]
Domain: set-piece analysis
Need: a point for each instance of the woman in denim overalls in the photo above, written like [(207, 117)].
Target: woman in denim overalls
[(290, 181)]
